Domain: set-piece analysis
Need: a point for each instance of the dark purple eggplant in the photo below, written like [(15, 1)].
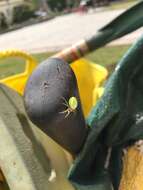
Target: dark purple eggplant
[(52, 102)]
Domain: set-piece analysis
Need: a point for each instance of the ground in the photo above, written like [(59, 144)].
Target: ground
[(61, 32)]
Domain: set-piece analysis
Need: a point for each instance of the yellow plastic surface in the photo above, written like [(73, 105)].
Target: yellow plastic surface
[(90, 78), (18, 81)]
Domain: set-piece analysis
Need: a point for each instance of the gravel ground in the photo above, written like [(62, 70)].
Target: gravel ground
[(61, 32)]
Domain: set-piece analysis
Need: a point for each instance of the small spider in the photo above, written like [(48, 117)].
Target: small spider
[(71, 105)]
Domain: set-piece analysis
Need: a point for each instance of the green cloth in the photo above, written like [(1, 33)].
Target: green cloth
[(115, 122)]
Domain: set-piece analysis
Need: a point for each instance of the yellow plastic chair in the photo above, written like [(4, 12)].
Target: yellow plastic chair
[(18, 81)]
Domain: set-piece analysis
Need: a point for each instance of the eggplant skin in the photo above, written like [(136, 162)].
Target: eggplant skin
[(48, 89)]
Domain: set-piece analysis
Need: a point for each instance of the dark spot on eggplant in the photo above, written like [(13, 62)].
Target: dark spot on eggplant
[(58, 69), (46, 84)]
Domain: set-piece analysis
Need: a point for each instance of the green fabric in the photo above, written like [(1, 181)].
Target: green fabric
[(125, 23), (115, 122)]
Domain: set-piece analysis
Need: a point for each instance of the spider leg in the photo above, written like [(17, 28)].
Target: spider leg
[(65, 104), (68, 113), (65, 100), (64, 111)]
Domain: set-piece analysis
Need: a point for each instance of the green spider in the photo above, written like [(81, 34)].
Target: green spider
[(71, 105)]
